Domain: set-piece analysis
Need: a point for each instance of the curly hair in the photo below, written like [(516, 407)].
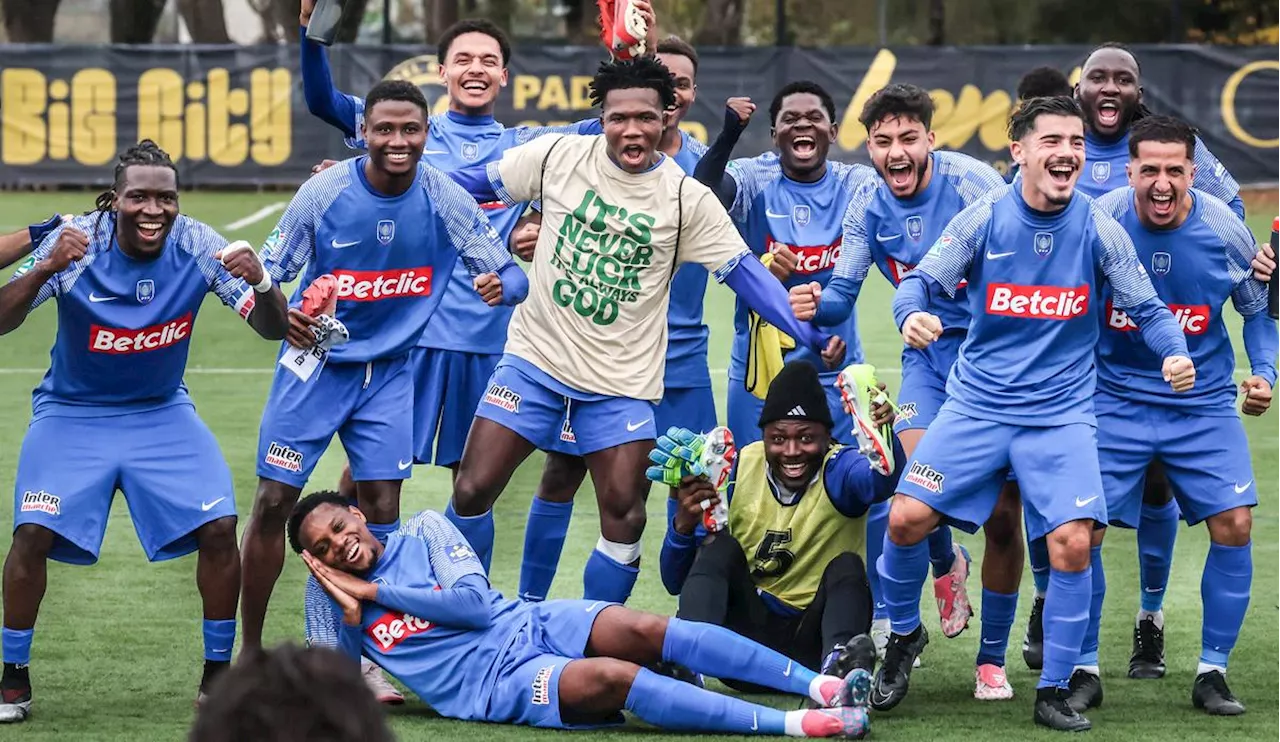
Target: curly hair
[(628, 74)]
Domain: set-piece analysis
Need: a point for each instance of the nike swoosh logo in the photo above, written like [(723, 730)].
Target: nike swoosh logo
[(1153, 589), (404, 464), (631, 428), (1240, 488), (990, 641), (755, 721), (998, 255), (772, 215), (887, 237), (100, 299), (207, 506), (591, 607), (435, 152), (787, 672), (339, 245), (1081, 503), (878, 696)]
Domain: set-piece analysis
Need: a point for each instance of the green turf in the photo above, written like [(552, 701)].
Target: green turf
[(117, 653)]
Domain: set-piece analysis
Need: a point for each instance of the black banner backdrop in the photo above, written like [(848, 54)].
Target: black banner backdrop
[(236, 116)]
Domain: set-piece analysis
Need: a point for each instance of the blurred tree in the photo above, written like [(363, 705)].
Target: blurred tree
[(135, 21), (721, 23), (205, 19), (937, 23), (279, 19), (352, 16), (29, 21), (439, 15)]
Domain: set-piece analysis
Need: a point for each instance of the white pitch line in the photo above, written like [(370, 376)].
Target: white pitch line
[(256, 216)]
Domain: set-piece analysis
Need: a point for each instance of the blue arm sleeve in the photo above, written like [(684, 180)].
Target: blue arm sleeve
[(324, 101), (678, 552), (39, 231), (1160, 330), (1262, 344), (515, 284), (463, 606), (912, 296), (1237, 205), (764, 295), (836, 303), (710, 169), (854, 486), (350, 639), (475, 180)]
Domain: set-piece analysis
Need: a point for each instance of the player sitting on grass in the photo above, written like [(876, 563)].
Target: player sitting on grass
[(785, 565), (112, 412), (422, 607)]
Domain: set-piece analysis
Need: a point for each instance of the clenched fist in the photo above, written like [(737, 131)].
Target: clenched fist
[(804, 300), (921, 329), (833, 354), (1180, 372), (1257, 396), (784, 261), (524, 238), (743, 107), (489, 287), (70, 247)]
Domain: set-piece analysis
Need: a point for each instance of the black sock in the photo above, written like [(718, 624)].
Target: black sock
[(212, 668), (15, 676)]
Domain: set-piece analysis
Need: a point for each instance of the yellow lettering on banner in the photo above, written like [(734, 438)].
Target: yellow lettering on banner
[(695, 130), (955, 120), (553, 95), (57, 120), (531, 91), (525, 88), (214, 121), (580, 89), (1229, 91)]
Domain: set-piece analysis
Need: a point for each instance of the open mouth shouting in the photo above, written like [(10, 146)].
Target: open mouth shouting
[(633, 155), (901, 175), (1162, 204), (1109, 114), (150, 231), (1061, 172), (804, 146)]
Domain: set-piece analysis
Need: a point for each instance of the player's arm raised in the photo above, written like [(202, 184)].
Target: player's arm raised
[(832, 306), (268, 315), (1261, 342), (942, 270), (31, 286), (711, 240), (1133, 292), (324, 100), (711, 169), (15, 246)]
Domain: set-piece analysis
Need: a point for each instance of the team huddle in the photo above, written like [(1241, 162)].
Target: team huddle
[(1066, 367)]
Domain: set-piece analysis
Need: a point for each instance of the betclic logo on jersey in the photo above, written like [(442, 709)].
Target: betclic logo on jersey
[(388, 284), (1037, 302), (387, 632), (1192, 318), (809, 259), (119, 341)]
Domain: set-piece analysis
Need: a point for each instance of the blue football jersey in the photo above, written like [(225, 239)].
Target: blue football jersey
[(896, 233), (1105, 162), (124, 325), (1195, 268), (452, 669), (772, 211), (1033, 290), (393, 256)]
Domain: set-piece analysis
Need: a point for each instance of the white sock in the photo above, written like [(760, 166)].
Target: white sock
[(792, 725), (1091, 669), (1204, 667), (1039, 595), (815, 688), (1157, 616)]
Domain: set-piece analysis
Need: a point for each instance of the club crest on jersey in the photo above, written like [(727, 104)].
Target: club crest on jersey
[(470, 151), (1100, 172), (146, 291), (915, 228), (1161, 262), (386, 231), (800, 214), (1044, 243)]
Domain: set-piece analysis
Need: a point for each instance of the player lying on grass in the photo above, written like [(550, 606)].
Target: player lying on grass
[(1197, 252), (619, 218), (422, 607), (784, 561), (112, 412)]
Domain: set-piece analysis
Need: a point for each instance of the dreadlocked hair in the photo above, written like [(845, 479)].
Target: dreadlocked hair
[(146, 153), (641, 72)]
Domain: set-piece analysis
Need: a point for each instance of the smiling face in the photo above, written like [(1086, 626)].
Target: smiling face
[(147, 206), (899, 147), (1161, 176), (339, 538), (395, 132), (633, 121), (473, 73), (793, 449), (1109, 91), (803, 133), (686, 86), (1050, 156)]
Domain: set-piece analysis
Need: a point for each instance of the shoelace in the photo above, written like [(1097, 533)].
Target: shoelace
[(1150, 644)]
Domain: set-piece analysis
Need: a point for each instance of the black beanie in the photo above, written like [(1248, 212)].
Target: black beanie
[(796, 394)]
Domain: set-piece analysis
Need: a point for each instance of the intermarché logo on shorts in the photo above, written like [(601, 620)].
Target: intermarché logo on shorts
[(602, 265)]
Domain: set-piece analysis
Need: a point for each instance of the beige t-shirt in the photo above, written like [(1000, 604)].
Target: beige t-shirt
[(596, 314)]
